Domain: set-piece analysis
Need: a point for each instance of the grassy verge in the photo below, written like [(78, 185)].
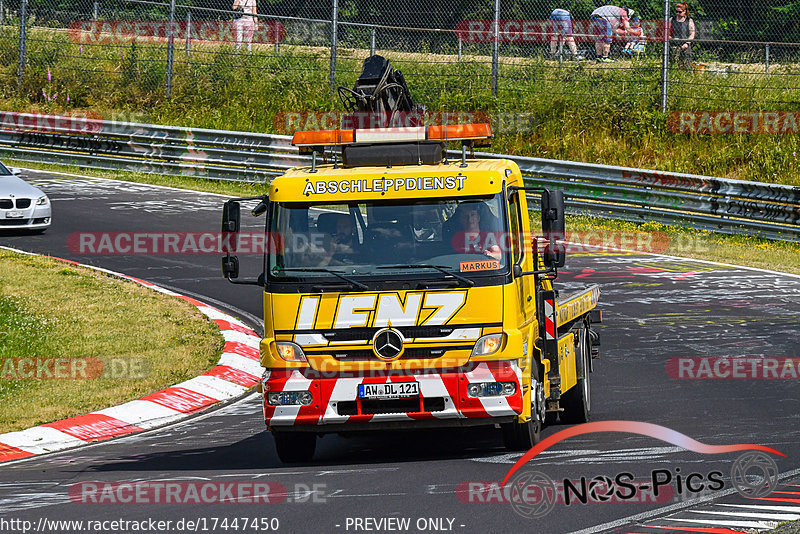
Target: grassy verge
[(711, 246), (123, 341), (582, 112)]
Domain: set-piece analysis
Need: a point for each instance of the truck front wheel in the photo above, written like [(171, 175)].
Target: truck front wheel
[(295, 447), (577, 400), (523, 436)]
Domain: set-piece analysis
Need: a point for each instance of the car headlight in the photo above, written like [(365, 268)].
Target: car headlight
[(43, 200), (488, 344), (290, 352)]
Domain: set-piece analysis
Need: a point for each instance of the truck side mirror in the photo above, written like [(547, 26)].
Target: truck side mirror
[(231, 223), (553, 214), (553, 227), (554, 255), (231, 226), (230, 266), (231, 217)]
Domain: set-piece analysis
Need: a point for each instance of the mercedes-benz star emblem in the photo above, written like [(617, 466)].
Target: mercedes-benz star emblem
[(387, 344)]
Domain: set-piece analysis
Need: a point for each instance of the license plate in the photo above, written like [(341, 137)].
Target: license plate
[(391, 390), (14, 215)]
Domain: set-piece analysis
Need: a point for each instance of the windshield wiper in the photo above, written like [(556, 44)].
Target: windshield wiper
[(337, 274), (441, 268)]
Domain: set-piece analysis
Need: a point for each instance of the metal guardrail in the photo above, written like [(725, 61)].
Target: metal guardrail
[(708, 203)]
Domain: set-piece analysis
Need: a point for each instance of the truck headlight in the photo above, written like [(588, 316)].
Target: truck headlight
[(42, 201), (491, 389), (289, 398), (488, 344), (290, 352)]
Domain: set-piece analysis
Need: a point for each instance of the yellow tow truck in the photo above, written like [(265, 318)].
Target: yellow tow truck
[(405, 290)]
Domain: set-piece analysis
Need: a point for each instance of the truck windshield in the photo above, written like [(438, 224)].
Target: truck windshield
[(428, 238)]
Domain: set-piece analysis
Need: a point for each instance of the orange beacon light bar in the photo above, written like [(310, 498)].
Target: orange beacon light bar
[(415, 134)]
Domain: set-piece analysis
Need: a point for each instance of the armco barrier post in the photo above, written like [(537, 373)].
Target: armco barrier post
[(95, 9), (170, 46), (372, 42), (496, 48), (665, 60), (23, 15), (334, 43)]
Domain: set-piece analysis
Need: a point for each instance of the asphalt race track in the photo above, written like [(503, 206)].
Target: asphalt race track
[(656, 308)]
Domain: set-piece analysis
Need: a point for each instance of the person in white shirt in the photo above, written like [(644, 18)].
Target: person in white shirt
[(245, 25), (608, 21)]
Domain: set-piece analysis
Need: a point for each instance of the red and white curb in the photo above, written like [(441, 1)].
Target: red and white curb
[(238, 370)]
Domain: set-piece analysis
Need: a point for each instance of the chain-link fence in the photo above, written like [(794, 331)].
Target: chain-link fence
[(60, 52)]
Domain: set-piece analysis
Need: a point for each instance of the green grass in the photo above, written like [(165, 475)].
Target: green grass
[(583, 112), (144, 340)]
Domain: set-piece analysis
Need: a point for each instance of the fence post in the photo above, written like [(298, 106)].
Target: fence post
[(95, 9), (2, 13), (23, 15), (188, 32), (372, 42), (459, 48), (766, 57), (170, 46), (665, 60), (334, 42), (496, 48)]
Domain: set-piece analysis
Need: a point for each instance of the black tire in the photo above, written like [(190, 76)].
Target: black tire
[(550, 418), (523, 436), (577, 401), (294, 447)]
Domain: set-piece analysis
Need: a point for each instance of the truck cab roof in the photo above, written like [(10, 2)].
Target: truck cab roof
[(479, 177)]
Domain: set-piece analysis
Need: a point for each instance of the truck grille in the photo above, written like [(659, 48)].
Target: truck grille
[(409, 354), (23, 203), (372, 407), (409, 332)]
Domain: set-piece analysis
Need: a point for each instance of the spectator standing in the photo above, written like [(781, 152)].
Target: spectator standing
[(245, 25), (608, 21), (561, 32), (682, 31)]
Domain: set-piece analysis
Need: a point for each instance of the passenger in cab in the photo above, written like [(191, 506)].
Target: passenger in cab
[(339, 239)]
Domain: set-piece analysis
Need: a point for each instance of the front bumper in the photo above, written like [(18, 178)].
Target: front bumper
[(33, 218), (443, 399)]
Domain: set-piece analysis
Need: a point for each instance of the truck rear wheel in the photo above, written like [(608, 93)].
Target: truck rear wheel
[(295, 447), (523, 436), (577, 400)]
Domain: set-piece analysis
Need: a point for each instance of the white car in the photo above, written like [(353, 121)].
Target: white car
[(22, 206)]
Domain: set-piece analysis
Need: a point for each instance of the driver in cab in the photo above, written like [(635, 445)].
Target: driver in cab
[(339, 241), (471, 232)]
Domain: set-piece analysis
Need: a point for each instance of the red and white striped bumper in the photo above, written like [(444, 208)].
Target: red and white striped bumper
[(443, 396)]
